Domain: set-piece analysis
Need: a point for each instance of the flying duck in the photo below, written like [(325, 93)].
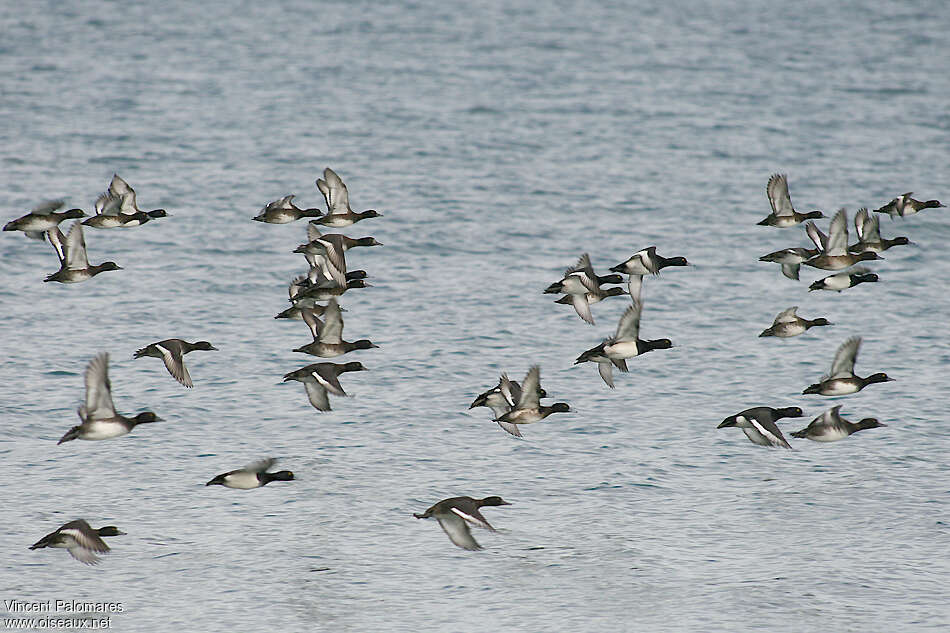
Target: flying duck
[(80, 539), (99, 418), (319, 379), (74, 265), (831, 427), (339, 214), (529, 408), (783, 214), (788, 324), (903, 205), (456, 514), (254, 475), (842, 380), (758, 424), (42, 218), (171, 351)]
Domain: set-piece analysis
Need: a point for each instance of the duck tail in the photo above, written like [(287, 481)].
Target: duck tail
[(799, 434), (816, 388), (71, 434)]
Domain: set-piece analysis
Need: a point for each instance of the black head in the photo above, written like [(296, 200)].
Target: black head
[(870, 423), (615, 291), (363, 344), (660, 343), (110, 530), (371, 213), (860, 279), (158, 213), (820, 321), (355, 274), (367, 241), (353, 366), (675, 261), (204, 346), (280, 475), (357, 283), (145, 417), (494, 501), (867, 255), (74, 213), (900, 241), (878, 377), (610, 279), (560, 407), (108, 266), (788, 412), (813, 215), (542, 393)]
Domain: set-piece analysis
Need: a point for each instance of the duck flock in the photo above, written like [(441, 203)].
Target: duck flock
[(314, 299)]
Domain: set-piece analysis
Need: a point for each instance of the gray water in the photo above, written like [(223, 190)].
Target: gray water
[(500, 141)]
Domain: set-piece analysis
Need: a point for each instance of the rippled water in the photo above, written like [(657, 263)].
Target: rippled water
[(500, 141)]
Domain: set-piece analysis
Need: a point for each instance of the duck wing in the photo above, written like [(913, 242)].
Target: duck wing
[(458, 532), (312, 322), (816, 236), (628, 328), (843, 364), (838, 234), (326, 374), (765, 425), (777, 190), (58, 241), (530, 388), (46, 207), (175, 364), (317, 395), (259, 466), (98, 404), (75, 248), (786, 316), (332, 330), (335, 193)]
